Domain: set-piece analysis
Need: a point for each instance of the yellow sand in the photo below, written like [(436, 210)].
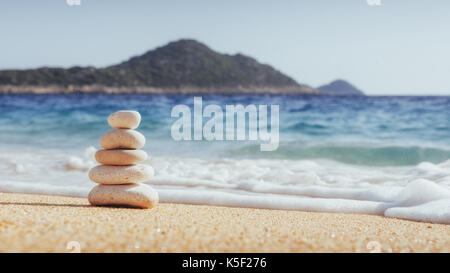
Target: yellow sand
[(36, 223)]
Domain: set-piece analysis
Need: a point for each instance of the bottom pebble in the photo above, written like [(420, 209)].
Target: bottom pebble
[(129, 195)]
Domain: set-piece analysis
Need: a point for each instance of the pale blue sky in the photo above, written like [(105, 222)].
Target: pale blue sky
[(400, 47)]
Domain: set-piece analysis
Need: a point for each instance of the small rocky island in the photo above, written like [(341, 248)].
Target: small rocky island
[(340, 88)]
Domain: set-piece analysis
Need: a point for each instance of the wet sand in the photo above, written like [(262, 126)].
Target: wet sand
[(37, 223)]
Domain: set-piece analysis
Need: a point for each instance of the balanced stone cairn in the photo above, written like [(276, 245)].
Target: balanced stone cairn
[(120, 175)]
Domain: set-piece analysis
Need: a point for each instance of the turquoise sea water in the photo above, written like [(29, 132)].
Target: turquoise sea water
[(372, 131)]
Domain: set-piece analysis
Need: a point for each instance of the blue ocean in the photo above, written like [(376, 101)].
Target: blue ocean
[(373, 131), (363, 154)]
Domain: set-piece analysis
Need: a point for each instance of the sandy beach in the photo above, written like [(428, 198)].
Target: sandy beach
[(37, 223)]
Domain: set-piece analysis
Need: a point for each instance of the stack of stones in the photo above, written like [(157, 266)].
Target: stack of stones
[(120, 176)]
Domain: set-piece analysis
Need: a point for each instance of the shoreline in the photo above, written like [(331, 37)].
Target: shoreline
[(42, 223), (187, 90)]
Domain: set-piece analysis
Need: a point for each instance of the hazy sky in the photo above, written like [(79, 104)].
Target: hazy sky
[(400, 47)]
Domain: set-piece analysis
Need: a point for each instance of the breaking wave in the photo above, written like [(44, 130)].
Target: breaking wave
[(420, 193)]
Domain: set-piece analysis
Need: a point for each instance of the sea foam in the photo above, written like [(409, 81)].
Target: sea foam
[(419, 193)]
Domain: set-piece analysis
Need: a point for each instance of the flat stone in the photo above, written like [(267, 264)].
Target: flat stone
[(113, 175), (120, 157), (124, 119), (131, 195), (122, 139)]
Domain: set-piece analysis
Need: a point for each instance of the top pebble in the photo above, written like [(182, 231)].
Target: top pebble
[(124, 119)]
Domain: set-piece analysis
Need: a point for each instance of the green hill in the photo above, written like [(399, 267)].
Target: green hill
[(184, 66)]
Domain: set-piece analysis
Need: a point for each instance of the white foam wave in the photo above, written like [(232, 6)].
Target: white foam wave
[(434, 212), (420, 193)]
